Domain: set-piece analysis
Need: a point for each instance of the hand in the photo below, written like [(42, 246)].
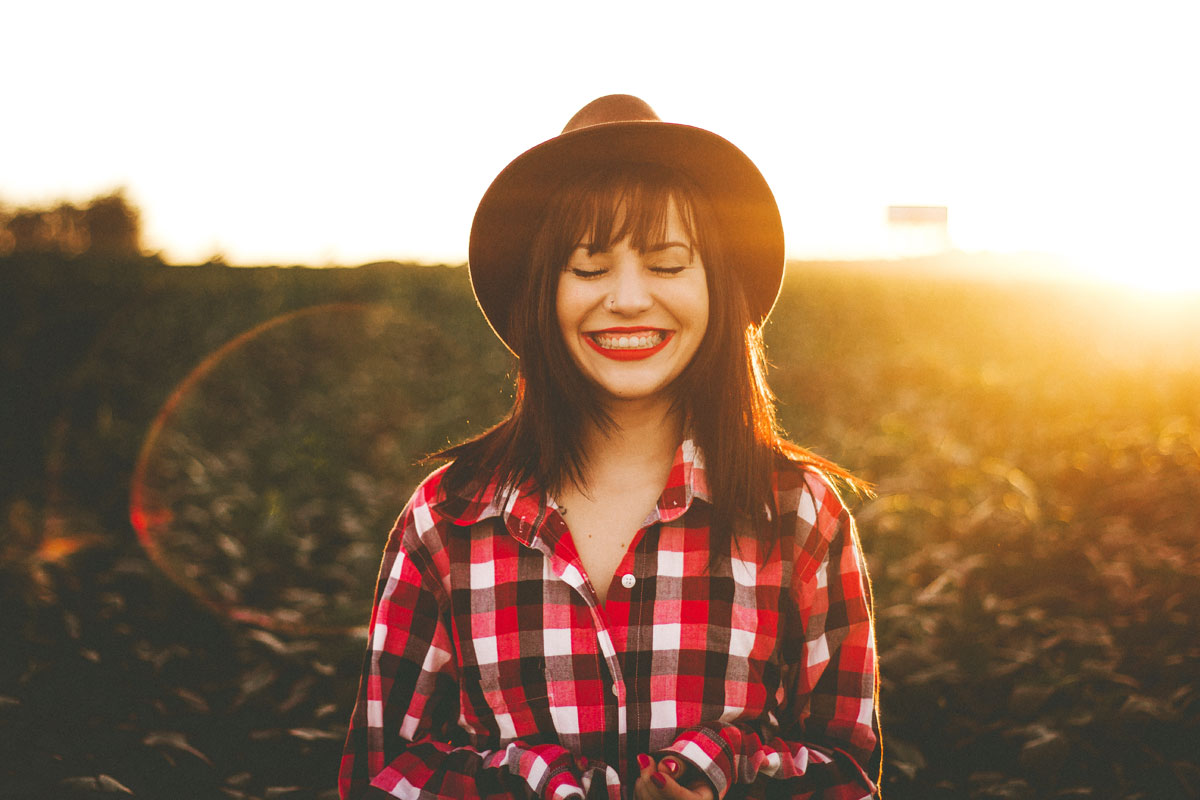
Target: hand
[(670, 779)]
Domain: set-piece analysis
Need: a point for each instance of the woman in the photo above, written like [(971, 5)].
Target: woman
[(632, 586)]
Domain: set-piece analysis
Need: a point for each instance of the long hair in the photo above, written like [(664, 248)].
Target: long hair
[(722, 394)]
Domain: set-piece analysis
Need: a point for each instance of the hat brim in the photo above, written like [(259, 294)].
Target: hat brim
[(511, 209)]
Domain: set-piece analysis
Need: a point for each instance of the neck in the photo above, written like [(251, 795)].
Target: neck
[(641, 443)]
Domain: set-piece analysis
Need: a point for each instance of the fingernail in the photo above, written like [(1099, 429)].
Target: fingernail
[(659, 780), (672, 765), (643, 760)]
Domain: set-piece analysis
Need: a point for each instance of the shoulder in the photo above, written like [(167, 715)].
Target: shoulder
[(813, 516), (420, 520), (432, 533), (808, 492), (434, 509)]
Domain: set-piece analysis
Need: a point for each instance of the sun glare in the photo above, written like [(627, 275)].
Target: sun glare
[(1080, 147), (1160, 267)]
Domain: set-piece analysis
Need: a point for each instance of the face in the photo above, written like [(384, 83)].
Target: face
[(632, 320)]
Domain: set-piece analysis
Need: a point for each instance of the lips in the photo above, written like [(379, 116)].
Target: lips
[(628, 344)]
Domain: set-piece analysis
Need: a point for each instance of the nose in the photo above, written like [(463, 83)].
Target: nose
[(630, 291)]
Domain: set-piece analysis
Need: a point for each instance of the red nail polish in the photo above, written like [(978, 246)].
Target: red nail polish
[(643, 760), (659, 780)]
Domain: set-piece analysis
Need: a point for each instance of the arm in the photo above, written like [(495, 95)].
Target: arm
[(828, 730), (404, 738)]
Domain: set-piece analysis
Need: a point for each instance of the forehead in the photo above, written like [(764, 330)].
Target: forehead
[(669, 216), (675, 217), (644, 218)]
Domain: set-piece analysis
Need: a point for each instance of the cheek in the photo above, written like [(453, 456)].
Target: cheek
[(567, 311), (562, 308), (574, 301), (698, 323)]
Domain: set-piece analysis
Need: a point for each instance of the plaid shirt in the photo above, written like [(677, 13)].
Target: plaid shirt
[(494, 671)]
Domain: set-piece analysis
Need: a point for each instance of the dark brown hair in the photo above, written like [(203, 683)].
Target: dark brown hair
[(722, 394)]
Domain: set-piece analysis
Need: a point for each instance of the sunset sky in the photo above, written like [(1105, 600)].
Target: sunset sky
[(294, 132)]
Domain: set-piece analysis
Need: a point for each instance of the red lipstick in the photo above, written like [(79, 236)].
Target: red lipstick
[(628, 354)]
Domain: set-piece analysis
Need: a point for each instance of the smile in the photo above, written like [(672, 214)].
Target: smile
[(630, 345)]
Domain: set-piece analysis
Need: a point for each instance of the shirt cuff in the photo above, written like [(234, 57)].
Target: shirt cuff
[(704, 748), (549, 771), (561, 785)]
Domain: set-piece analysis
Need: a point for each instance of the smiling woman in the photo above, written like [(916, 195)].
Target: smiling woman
[(633, 586), (626, 297)]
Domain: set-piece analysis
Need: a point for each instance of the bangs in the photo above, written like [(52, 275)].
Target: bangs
[(630, 201)]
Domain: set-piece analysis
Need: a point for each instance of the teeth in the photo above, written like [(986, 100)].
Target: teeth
[(638, 341)]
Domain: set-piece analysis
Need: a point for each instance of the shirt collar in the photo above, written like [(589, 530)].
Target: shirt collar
[(687, 481), (524, 509)]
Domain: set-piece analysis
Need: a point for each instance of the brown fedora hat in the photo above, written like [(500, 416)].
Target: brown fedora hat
[(624, 129)]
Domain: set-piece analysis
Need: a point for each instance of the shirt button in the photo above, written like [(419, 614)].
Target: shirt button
[(627, 580), (616, 692)]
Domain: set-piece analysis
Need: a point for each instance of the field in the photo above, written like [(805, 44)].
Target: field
[(1034, 537)]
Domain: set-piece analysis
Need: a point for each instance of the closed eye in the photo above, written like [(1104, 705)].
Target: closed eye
[(667, 270), (582, 272)]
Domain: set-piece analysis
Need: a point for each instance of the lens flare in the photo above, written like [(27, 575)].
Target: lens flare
[(269, 478)]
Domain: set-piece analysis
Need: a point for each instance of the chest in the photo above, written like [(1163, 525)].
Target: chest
[(536, 654), (602, 530)]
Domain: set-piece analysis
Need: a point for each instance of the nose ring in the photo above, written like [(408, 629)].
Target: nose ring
[(612, 302)]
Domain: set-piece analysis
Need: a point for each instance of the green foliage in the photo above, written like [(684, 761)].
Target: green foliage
[(1033, 541), (107, 226)]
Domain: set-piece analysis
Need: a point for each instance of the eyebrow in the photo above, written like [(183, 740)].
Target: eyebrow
[(654, 248)]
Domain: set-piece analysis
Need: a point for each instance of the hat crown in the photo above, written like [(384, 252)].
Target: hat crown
[(612, 108)]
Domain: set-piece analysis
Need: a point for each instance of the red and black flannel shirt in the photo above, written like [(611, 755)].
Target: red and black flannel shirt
[(493, 670)]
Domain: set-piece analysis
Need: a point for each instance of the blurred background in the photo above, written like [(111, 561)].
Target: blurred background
[(992, 312)]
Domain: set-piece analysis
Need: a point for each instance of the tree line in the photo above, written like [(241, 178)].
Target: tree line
[(106, 225)]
